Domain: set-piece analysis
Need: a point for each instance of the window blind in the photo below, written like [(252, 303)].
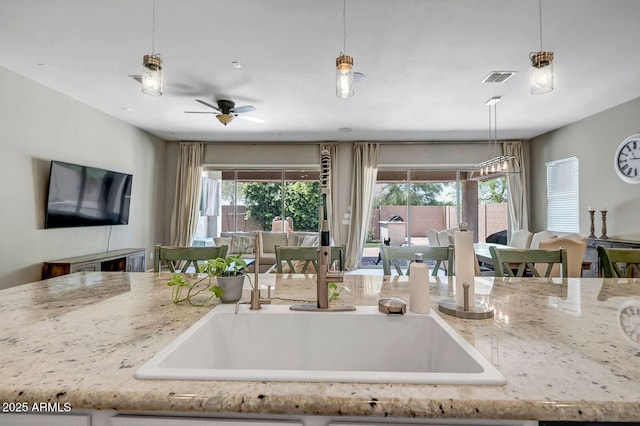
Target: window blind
[(563, 195)]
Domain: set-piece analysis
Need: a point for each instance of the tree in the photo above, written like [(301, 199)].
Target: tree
[(493, 191), (422, 194), (302, 200)]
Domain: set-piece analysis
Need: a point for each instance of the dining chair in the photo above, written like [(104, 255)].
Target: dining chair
[(619, 262), (576, 250), (521, 239), (179, 259), (432, 237), (395, 255), (538, 237), (445, 238), (305, 257), (515, 262)]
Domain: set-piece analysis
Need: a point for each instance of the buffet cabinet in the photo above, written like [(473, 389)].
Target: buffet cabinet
[(129, 260), (591, 254)]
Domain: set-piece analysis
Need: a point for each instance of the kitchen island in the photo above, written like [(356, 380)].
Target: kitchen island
[(78, 339)]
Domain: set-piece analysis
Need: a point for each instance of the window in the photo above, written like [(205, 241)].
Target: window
[(249, 200), (563, 195)]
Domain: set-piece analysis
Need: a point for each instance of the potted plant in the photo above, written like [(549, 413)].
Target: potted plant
[(229, 273)]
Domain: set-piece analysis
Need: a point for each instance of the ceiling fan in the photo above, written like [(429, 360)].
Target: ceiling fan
[(227, 110)]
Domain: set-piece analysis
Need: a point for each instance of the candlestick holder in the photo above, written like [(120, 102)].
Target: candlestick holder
[(593, 228), (604, 225)]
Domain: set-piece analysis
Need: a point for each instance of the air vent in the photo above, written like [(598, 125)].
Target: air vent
[(498, 76)]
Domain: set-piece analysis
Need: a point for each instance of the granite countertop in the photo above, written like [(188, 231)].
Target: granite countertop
[(79, 339)]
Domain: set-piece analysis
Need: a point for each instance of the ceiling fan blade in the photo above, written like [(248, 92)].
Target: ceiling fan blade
[(200, 112), (249, 118), (246, 108), (208, 104)]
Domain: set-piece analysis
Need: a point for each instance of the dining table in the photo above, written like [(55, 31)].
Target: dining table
[(484, 254)]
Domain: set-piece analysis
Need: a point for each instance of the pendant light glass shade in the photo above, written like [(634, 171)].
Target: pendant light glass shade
[(541, 72), (344, 76), (152, 75)]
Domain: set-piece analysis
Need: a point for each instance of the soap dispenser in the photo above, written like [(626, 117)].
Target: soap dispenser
[(419, 297)]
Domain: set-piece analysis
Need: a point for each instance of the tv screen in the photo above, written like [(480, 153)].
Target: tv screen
[(86, 196)]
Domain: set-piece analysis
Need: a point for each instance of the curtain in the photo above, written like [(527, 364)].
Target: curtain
[(332, 214), (517, 185), (363, 181), (186, 204)]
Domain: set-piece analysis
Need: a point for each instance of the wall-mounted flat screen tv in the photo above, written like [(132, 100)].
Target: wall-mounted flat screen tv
[(86, 196)]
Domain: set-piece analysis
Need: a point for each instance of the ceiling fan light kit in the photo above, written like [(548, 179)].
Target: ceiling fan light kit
[(227, 110), (225, 118)]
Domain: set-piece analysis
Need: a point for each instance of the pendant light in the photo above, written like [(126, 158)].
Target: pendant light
[(541, 71), (344, 63), (152, 66), (499, 163)]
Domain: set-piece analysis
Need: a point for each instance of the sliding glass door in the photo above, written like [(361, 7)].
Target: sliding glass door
[(261, 199), (422, 199)]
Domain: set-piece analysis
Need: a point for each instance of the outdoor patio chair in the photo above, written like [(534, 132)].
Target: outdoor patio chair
[(395, 255), (180, 259)]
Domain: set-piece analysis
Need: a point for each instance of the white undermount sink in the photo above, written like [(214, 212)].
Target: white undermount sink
[(277, 344)]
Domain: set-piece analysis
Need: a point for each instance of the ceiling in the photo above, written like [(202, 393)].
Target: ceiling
[(423, 61)]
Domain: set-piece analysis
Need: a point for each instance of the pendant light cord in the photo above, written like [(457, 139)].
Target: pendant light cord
[(153, 29), (344, 26), (540, 21)]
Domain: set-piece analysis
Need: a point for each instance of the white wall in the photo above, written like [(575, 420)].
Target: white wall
[(594, 140), (38, 125)]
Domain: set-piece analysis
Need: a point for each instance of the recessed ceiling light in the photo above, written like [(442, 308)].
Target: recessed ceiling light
[(236, 64), (345, 129)]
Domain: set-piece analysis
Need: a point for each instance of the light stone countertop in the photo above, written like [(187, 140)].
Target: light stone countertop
[(79, 339)]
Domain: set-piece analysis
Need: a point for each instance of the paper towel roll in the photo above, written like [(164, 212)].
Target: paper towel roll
[(465, 266)]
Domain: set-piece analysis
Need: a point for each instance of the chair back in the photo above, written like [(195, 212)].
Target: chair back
[(432, 236), (179, 259), (393, 256), (305, 257), (507, 260), (619, 262), (539, 237), (445, 238), (521, 239), (575, 254)]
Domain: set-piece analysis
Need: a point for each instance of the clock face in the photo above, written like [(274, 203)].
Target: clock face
[(627, 159), (629, 321)]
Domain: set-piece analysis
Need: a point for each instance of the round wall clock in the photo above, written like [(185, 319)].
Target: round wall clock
[(629, 321), (627, 159)]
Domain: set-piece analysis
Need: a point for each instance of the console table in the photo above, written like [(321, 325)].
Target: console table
[(129, 260), (591, 254)]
